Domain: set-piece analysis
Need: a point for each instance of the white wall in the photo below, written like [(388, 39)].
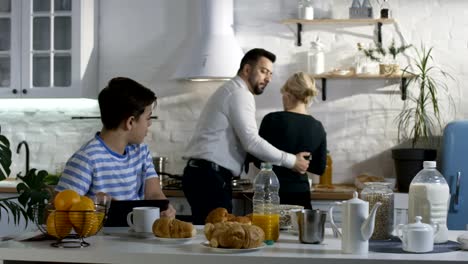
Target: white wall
[(146, 40)]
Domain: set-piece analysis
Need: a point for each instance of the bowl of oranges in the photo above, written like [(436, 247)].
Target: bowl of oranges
[(71, 218)]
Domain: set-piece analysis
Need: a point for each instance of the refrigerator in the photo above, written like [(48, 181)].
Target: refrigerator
[(454, 159)]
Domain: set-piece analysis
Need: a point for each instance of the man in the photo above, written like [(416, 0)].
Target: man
[(225, 132), (116, 162)]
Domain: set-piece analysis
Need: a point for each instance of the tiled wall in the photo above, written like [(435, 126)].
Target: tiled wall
[(146, 40)]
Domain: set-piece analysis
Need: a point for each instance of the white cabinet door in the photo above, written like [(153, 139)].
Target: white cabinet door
[(55, 54), (10, 48)]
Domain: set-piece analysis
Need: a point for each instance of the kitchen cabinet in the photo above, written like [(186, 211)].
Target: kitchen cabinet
[(343, 22), (48, 48)]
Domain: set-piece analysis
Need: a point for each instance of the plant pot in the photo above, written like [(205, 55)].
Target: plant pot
[(408, 162), (389, 68)]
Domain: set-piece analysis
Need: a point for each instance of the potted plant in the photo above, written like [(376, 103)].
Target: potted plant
[(420, 123), (33, 191), (385, 57)]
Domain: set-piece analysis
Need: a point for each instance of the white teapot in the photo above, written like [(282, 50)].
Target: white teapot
[(357, 226), (417, 237)]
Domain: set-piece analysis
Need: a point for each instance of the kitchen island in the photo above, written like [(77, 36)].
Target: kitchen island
[(120, 247)]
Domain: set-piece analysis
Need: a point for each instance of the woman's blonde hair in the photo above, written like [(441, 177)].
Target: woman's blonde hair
[(302, 86)]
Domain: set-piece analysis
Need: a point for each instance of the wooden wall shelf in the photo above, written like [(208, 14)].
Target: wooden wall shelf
[(369, 21), (331, 75)]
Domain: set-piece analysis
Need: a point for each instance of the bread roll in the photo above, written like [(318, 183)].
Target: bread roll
[(173, 228)]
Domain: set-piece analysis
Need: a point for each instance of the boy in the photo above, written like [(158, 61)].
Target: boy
[(115, 162)]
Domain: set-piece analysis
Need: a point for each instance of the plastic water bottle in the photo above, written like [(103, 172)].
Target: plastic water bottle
[(266, 203), (429, 196)]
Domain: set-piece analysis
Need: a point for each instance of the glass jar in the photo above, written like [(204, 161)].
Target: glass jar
[(374, 192)]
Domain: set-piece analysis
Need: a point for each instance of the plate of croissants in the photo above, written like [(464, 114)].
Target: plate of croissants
[(171, 230), (226, 233)]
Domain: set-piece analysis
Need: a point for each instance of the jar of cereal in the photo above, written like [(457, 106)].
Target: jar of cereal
[(374, 192)]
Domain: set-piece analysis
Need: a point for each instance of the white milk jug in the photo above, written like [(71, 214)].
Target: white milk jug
[(429, 197), (357, 226)]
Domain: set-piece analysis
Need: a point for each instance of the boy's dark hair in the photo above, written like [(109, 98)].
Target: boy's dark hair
[(121, 99), (253, 55)]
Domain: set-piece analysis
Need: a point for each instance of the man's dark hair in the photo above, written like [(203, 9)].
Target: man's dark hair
[(253, 55), (121, 99)]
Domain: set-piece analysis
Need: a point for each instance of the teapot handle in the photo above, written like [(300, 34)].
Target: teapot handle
[(399, 232), (336, 231)]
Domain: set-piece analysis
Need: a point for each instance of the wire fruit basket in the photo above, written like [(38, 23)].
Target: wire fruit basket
[(70, 227)]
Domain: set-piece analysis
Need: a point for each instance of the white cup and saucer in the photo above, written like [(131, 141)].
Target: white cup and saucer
[(141, 220)]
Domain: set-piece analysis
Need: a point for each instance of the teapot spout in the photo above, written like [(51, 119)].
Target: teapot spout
[(367, 228)]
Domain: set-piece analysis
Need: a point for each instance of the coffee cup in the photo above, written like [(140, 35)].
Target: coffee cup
[(311, 225), (141, 219)]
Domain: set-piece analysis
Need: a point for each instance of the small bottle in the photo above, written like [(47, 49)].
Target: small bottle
[(308, 10), (326, 178), (316, 57), (366, 5), (385, 11), (305, 9), (429, 197), (266, 203), (300, 9), (374, 192)]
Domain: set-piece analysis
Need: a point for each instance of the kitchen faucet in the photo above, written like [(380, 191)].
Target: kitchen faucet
[(27, 155)]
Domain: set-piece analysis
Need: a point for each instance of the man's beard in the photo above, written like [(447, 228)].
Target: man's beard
[(258, 90)]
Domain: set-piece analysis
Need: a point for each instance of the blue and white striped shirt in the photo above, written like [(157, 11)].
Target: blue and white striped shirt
[(96, 168)]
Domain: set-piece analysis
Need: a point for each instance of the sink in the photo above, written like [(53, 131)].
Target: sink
[(9, 183)]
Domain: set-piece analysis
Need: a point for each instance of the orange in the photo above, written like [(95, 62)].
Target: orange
[(82, 216), (58, 224), (99, 218), (65, 199)]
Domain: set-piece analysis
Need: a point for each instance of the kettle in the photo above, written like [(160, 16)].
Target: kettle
[(357, 224)]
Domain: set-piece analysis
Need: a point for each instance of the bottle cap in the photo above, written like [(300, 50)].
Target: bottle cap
[(429, 164)]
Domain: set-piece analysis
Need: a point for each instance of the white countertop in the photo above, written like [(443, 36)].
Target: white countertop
[(122, 248)]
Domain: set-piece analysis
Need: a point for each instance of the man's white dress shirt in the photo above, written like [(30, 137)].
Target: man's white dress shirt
[(227, 130)]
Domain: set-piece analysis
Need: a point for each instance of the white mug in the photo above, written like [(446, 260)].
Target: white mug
[(141, 219)]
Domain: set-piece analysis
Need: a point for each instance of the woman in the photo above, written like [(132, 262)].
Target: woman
[(294, 130)]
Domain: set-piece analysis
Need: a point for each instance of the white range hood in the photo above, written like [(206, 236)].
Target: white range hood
[(215, 54)]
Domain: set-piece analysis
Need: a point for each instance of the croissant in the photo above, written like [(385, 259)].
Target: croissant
[(220, 215), (173, 228), (217, 215), (234, 235)]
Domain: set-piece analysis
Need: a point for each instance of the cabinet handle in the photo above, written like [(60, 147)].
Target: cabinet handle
[(25, 91), (456, 203), (15, 91)]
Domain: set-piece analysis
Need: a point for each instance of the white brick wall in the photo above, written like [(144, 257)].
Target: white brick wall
[(147, 39)]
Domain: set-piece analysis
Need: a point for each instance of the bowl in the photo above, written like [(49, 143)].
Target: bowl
[(285, 211), (70, 227)]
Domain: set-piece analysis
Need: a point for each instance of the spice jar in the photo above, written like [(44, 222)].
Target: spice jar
[(374, 192)]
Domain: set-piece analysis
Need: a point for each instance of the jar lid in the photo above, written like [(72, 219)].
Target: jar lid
[(378, 184), (418, 225)]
